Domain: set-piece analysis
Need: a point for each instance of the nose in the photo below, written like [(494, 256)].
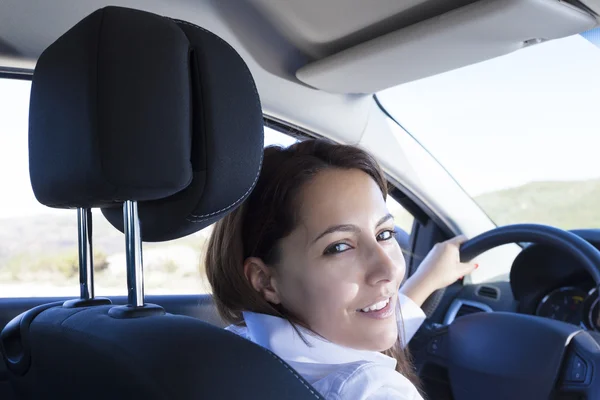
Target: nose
[(382, 267)]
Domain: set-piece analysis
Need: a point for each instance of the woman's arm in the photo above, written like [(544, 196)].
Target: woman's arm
[(410, 318), (439, 269)]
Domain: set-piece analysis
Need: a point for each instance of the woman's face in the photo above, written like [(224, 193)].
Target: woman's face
[(340, 268)]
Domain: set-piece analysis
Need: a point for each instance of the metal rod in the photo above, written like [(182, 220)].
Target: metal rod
[(133, 246), (86, 255)]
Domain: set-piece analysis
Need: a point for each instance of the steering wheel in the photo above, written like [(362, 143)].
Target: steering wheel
[(503, 355)]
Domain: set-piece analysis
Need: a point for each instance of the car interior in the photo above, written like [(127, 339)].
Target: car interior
[(154, 113)]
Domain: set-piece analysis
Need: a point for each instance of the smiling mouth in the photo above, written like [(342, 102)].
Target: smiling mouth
[(383, 309), (377, 306)]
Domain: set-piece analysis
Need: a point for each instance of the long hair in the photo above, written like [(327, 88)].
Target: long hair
[(268, 215)]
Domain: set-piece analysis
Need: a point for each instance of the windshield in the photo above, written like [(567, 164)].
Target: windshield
[(520, 133)]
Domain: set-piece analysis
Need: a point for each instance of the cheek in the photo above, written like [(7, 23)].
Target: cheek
[(396, 255), (329, 306), (335, 293), (321, 292)]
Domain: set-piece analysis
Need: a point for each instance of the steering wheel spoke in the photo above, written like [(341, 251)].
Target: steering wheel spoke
[(581, 365), (497, 356), (500, 356), (437, 346)]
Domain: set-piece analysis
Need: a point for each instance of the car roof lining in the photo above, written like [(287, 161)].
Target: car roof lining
[(468, 35), (276, 39), (319, 29), (591, 5)]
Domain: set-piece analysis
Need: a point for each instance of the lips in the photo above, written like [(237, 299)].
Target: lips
[(377, 306), (381, 309)]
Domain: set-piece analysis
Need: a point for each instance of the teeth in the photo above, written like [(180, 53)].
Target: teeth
[(376, 306)]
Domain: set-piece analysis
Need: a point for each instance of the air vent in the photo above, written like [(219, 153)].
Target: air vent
[(466, 309), (462, 307), (489, 292)]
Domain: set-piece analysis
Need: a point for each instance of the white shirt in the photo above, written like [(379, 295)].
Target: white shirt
[(335, 371)]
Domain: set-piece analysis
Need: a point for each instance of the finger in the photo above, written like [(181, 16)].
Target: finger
[(469, 267)]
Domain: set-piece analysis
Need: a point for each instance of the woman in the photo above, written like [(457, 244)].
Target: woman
[(308, 268)]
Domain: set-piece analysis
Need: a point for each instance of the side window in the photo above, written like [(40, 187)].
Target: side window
[(38, 245), (403, 219)]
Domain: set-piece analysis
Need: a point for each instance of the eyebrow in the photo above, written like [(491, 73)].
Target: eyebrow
[(383, 220), (350, 228)]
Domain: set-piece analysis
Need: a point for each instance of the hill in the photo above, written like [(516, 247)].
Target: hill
[(567, 205), (42, 250), (38, 256), (56, 233)]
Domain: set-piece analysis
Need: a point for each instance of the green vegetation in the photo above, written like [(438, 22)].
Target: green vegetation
[(43, 249), (566, 205), (65, 264)]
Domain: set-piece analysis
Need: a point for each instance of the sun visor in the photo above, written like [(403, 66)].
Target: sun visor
[(468, 35)]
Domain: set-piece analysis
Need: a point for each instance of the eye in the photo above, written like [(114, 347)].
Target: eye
[(385, 235), (336, 248)]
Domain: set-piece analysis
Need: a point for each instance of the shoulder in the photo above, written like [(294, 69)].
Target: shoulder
[(239, 330), (366, 380)]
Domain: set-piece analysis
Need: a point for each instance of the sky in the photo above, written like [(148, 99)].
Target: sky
[(528, 116), (532, 115)]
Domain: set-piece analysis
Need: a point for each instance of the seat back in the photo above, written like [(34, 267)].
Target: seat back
[(85, 353)]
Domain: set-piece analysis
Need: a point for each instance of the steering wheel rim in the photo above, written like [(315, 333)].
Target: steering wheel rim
[(476, 348), (536, 233), (579, 248)]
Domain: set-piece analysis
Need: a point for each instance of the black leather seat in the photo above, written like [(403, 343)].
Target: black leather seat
[(133, 107)]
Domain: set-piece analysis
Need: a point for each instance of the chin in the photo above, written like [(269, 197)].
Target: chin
[(382, 341), (389, 342)]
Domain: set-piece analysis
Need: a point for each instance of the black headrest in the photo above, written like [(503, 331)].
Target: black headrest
[(129, 105)]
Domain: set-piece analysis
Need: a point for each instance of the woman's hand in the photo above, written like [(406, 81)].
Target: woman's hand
[(440, 268)]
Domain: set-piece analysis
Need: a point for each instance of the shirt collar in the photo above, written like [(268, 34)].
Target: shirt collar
[(279, 336)]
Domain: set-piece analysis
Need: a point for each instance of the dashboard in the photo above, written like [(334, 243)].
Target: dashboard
[(572, 304), (548, 282), (544, 281)]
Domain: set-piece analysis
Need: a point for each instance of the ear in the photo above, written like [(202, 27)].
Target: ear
[(261, 278)]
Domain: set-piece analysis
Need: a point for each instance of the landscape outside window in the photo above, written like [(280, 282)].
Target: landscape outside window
[(519, 133), (38, 245)]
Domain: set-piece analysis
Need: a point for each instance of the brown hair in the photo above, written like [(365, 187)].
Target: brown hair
[(255, 228)]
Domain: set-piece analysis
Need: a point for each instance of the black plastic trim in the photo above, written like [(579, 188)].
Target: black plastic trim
[(23, 74)]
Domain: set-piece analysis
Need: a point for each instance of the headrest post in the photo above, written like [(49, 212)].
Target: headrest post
[(133, 243), (86, 255)]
